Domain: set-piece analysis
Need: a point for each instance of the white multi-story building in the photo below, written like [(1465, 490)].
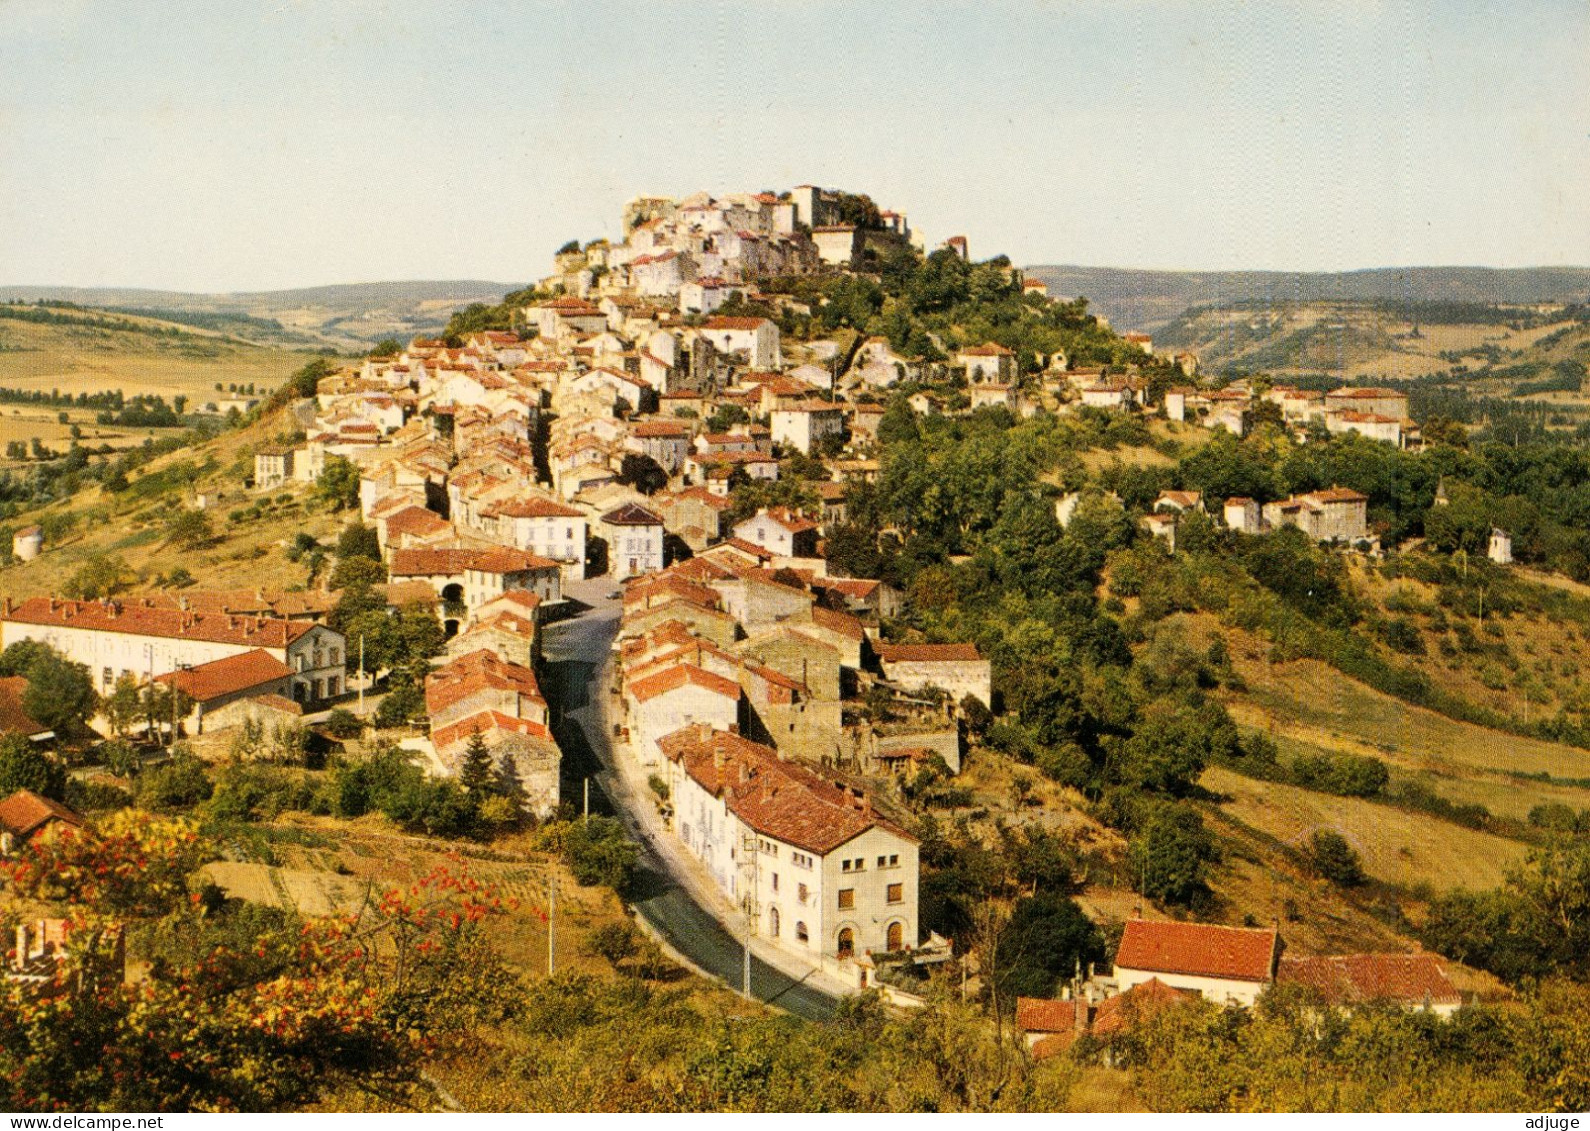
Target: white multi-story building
[(634, 541), (115, 638), (817, 868)]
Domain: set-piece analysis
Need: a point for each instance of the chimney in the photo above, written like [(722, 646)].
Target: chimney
[(1137, 911)]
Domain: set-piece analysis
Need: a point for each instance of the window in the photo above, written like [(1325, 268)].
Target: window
[(896, 893), (883, 861), (896, 937), (332, 685), (336, 656), (775, 881), (847, 898), (800, 932), (847, 943), (772, 921), (110, 677), (801, 893)]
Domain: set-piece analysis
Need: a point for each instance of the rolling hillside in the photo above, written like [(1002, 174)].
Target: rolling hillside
[(1512, 346), (1148, 300), (345, 316)]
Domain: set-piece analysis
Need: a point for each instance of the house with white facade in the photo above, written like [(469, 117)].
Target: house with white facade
[(1226, 965), (753, 339), (133, 637), (634, 541), (780, 531), (956, 668), (817, 868), (805, 426)]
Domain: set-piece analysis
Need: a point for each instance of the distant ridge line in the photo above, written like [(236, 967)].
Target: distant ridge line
[(1146, 299)]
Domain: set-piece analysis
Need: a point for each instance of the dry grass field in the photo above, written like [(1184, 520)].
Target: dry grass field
[(74, 359), (1395, 846)]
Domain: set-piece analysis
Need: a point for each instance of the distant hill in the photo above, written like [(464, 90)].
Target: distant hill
[(343, 316), (1147, 300)]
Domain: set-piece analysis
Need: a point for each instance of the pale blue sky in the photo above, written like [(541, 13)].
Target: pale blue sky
[(235, 146)]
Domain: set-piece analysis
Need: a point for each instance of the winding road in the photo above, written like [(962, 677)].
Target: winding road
[(575, 654)]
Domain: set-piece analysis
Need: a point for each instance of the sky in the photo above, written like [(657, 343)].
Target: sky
[(252, 146)]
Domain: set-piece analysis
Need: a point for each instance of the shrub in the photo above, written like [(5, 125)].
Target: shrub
[(597, 851), (343, 723), (179, 783), (1335, 859)]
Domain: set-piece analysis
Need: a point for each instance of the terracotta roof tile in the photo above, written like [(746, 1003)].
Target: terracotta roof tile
[(138, 619), (25, 812), (1238, 953), (1356, 978), (228, 676)]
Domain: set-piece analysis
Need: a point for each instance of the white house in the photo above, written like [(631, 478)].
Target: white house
[(806, 425), (756, 339), (1224, 964), (956, 668), (818, 870), (988, 362), (780, 531), (634, 541), (115, 638)]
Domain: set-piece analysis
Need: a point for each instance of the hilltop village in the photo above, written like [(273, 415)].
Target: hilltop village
[(626, 529)]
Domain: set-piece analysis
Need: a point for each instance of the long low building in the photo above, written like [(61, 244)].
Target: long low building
[(136, 637)]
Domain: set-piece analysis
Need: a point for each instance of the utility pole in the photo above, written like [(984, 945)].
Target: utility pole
[(363, 677), (587, 799), (748, 849), (552, 919)]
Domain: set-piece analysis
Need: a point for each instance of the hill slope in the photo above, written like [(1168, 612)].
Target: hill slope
[(1146, 300), (344, 316)]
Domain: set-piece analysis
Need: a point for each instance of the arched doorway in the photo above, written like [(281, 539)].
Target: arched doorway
[(847, 943), (896, 937), (772, 922)]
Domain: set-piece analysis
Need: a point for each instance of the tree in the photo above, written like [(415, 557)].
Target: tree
[(103, 575), (597, 851), (1047, 939), (60, 694), (615, 942), (124, 705), (355, 540), (358, 573), (1335, 859), (477, 773), (404, 703), (24, 766), (343, 723), (643, 473), (1169, 855), (386, 349), (187, 529), (338, 483)]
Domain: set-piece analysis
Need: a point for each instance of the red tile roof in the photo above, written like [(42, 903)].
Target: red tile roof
[(25, 812), (415, 520), (927, 653), (485, 722), (988, 349), (511, 561), (536, 507), (229, 676), (1351, 979), (723, 322), (1043, 1015), (433, 561), (1118, 1014), (782, 800), (631, 514), (1236, 953), (475, 672), (14, 718), (142, 620), (679, 676)]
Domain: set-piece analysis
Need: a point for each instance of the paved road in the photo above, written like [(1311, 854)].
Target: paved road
[(574, 652)]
